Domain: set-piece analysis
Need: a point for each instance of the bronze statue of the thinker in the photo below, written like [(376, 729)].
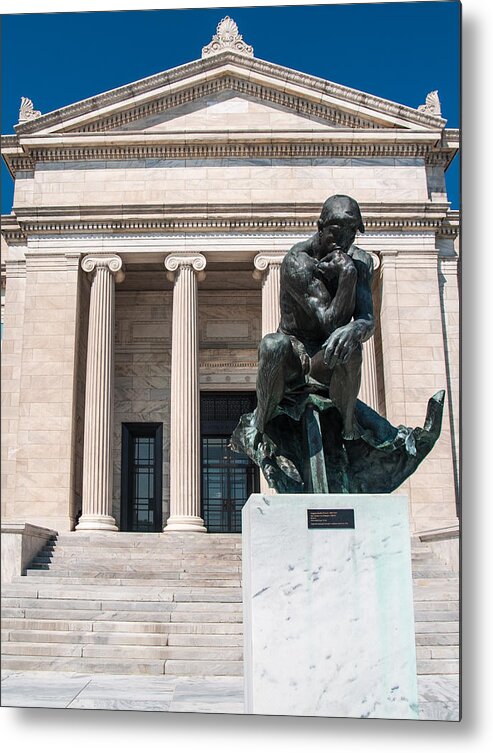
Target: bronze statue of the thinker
[(309, 432)]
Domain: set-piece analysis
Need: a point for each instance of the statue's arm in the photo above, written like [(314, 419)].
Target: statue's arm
[(341, 308), (300, 281), (345, 339), (364, 323)]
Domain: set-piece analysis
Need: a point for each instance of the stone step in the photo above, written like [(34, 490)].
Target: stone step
[(206, 547), (89, 666), (122, 639), (109, 592), (437, 652), (422, 573), (95, 651), (123, 626), (154, 536), (167, 564), (203, 639), (228, 555), (106, 605), (438, 639), (124, 615), (131, 579), (436, 616), (438, 666), (140, 552), (434, 595), (123, 571), (436, 581), (436, 627), (203, 668), (440, 606), (216, 569), (421, 550), (135, 666)]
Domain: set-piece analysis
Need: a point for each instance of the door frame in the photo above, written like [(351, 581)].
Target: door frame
[(220, 429), (129, 432)]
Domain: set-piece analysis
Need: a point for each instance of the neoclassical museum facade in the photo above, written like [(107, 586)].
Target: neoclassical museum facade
[(141, 263)]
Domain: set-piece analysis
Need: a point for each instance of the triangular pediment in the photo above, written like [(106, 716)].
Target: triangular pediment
[(227, 110), (247, 92)]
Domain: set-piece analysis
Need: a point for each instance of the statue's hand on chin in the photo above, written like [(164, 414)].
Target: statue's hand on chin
[(336, 263)]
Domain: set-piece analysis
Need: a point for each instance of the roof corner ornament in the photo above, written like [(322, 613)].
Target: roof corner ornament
[(432, 104), (27, 111), (227, 38)]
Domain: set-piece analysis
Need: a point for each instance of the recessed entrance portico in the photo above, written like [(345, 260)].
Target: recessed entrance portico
[(228, 478)]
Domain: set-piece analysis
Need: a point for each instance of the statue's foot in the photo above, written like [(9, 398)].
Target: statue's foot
[(353, 431), (270, 472), (434, 414)]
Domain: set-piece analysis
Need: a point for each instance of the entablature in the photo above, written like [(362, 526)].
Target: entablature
[(24, 153), (245, 219)]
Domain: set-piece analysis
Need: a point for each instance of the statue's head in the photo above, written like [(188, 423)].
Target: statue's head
[(339, 221)]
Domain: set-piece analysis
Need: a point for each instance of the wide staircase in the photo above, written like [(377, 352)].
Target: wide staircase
[(128, 604), (171, 604), (436, 613)]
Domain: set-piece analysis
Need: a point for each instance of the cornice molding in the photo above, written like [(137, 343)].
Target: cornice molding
[(248, 146), (23, 152), (11, 230), (42, 261), (281, 76), (15, 268)]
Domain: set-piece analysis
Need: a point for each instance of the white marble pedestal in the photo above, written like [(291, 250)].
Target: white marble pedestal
[(328, 612)]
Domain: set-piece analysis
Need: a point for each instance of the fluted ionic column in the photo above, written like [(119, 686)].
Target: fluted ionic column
[(184, 269), (369, 384), (97, 472), (369, 388), (267, 269)]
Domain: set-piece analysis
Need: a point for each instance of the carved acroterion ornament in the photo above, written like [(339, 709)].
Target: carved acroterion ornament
[(227, 38), (27, 111), (432, 104)]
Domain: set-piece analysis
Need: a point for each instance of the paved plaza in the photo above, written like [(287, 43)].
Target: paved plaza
[(208, 695)]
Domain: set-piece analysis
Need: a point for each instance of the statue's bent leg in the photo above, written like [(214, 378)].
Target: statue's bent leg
[(344, 388), (278, 367)]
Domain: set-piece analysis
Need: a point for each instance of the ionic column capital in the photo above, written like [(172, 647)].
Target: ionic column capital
[(175, 262), (263, 261), (113, 263), (375, 259)]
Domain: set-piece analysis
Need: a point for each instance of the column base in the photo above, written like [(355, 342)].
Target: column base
[(185, 523), (96, 523)]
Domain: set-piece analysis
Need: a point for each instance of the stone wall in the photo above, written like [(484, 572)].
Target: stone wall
[(224, 181), (414, 369), (11, 379), (44, 492)]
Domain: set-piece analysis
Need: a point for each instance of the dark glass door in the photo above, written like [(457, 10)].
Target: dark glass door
[(142, 457), (228, 478)]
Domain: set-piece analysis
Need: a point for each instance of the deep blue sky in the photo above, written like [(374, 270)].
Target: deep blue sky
[(399, 51)]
